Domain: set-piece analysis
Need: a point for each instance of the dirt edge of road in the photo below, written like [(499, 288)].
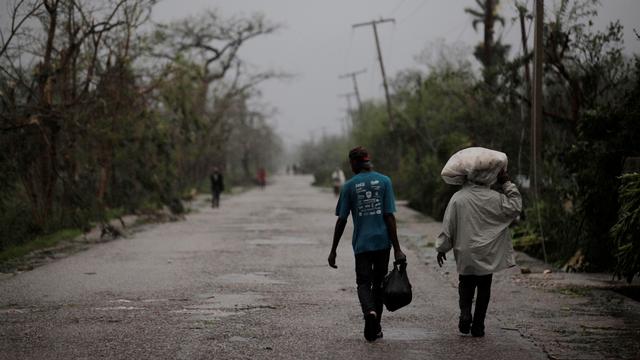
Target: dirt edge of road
[(118, 228)]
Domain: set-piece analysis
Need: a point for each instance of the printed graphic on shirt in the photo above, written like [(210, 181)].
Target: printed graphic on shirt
[(369, 198)]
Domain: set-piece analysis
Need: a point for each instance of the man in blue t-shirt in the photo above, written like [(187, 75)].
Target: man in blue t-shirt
[(368, 197)]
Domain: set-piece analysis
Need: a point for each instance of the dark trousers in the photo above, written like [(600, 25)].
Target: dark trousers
[(466, 289), (215, 198), (371, 268)]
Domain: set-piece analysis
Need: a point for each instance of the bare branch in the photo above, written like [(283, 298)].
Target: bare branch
[(15, 27), (215, 41)]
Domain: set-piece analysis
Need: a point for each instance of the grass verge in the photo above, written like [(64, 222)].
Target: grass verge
[(40, 242)]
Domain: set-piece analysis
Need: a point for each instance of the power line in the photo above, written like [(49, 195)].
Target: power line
[(348, 52), (464, 30), (391, 39), (393, 12), (415, 11)]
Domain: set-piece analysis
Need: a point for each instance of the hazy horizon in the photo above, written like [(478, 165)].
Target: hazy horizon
[(317, 44)]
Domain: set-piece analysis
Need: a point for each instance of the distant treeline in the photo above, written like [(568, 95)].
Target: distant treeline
[(98, 117), (591, 128)]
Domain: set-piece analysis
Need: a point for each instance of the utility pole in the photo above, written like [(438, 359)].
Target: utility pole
[(353, 75), (536, 108), (349, 118), (348, 97), (536, 113), (374, 24)]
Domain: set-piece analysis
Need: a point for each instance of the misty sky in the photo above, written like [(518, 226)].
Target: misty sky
[(317, 44)]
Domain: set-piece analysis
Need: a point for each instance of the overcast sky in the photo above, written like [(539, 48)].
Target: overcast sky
[(317, 43)]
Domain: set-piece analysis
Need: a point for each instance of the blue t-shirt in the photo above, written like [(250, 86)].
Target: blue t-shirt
[(367, 196)]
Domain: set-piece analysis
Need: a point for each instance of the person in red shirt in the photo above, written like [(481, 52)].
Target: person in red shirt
[(262, 177)]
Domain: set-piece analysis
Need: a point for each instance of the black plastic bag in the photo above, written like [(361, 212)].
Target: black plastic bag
[(397, 288)]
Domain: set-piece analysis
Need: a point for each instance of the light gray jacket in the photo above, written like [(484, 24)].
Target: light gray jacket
[(476, 226)]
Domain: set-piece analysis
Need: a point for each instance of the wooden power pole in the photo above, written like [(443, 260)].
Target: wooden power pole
[(348, 97), (353, 75), (536, 108), (536, 114), (374, 24), (348, 119)]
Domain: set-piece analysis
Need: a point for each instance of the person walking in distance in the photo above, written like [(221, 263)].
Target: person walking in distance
[(262, 177), (337, 177), (476, 226), (368, 197), (217, 186)]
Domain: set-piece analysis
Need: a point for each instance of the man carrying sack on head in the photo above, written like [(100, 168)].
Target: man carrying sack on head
[(369, 198), (476, 226)]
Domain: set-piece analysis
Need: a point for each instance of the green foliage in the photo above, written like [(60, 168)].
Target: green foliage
[(117, 122), (626, 231), (592, 92), (437, 113), (553, 219), (15, 218), (590, 128), (322, 157), (40, 242)]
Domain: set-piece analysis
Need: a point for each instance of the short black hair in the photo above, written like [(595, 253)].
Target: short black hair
[(359, 154), (359, 158)]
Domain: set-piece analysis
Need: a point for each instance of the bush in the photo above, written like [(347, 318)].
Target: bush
[(323, 157), (15, 220), (626, 232)]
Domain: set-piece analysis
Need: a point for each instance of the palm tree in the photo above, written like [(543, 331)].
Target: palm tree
[(489, 52)]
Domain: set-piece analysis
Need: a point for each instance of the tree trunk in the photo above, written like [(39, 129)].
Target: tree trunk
[(488, 32), (39, 175)]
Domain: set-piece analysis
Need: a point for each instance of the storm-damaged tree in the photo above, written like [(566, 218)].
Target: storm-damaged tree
[(83, 117), (591, 86), (490, 52), (252, 143), (50, 80), (203, 53)]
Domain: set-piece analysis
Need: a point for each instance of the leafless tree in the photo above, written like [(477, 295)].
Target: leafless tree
[(211, 41)]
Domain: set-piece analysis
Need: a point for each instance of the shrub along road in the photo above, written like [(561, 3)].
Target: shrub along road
[(249, 280)]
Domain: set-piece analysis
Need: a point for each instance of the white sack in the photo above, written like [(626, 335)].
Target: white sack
[(475, 163)]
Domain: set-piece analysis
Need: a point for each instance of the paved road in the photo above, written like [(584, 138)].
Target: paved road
[(247, 281)]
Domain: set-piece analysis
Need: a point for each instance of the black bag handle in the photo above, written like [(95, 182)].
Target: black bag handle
[(401, 265)]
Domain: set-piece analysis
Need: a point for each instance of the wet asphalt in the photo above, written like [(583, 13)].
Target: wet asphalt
[(246, 281)]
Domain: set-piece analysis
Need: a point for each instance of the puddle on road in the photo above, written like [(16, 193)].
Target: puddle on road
[(409, 334), (282, 240), (198, 313), (154, 300), (261, 227), (223, 305), (238, 339), (13, 311), (230, 301), (308, 210), (250, 278), (280, 211), (118, 308)]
